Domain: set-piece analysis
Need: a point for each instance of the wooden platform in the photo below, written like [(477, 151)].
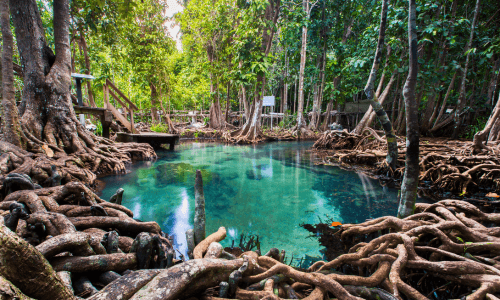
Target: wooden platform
[(153, 138), (104, 115)]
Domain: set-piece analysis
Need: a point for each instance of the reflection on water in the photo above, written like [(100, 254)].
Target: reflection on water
[(266, 190)]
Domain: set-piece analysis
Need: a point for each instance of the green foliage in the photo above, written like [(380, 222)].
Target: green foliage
[(127, 42), (98, 131), (160, 127), (475, 128)]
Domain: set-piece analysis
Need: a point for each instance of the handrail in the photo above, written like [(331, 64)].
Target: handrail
[(131, 105)]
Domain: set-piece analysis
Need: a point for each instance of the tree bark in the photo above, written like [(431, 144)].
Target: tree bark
[(481, 136), (12, 131), (461, 97), (154, 96), (368, 114), (392, 146), (316, 113), (303, 57), (228, 101), (245, 102), (410, 180), (49, 120)]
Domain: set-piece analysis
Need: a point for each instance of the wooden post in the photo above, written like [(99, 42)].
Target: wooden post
[(104, 96), (106, 120), (131, 113)]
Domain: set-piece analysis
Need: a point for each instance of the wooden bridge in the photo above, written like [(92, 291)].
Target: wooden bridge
[(127, 108)]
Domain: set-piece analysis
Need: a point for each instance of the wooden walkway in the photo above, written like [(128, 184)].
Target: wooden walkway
[(153, 138), (104, 115)]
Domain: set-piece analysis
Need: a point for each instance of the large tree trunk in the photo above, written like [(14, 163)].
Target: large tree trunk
[(49, 120), (461, 97), (410, 180), (392, 146), (11, 125)]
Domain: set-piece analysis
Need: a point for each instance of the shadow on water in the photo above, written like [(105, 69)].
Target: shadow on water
[(267, 190)]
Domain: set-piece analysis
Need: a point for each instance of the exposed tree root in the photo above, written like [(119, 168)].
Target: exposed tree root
[(449, 249), (104, 157), (444, 164)]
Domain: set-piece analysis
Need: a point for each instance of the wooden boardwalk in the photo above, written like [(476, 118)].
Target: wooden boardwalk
[(153, 138)]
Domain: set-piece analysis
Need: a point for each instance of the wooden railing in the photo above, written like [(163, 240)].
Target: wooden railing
[(124, 102)]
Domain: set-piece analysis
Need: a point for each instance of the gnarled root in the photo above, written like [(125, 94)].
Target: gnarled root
[(432, 243), (26, 268)]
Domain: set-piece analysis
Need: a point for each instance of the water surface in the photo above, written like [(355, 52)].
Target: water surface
[(266, 189)]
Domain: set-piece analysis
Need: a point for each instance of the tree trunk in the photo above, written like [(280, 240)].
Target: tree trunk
[(285, 89), (154, 110), (216, 117), (437, 124), (250, 132), (492, 87), (410, 180), (369, 116), (383, 97), (392, 146), (316, 113), (49, 119), (11, 126), (303, 57), (360, 127), (245, 102), (329, 107), (394, 101), (228, 101), (461, 97), (481, 136)]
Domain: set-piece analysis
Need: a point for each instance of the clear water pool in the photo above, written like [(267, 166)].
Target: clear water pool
[(267, 190)]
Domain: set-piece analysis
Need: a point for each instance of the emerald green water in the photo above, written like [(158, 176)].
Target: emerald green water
[(266, 189)]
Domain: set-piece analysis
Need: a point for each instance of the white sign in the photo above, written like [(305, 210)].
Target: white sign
[(268, 101)]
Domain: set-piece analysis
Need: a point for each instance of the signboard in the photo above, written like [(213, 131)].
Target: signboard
[(268, 101)]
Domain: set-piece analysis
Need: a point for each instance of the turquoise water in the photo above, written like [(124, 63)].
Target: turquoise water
[(267, 190)]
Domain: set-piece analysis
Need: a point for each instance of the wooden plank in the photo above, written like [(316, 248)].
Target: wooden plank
[(89, 110), (132, 105), (120, 117)]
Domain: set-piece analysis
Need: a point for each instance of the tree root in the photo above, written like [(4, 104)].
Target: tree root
[(444, 165), (418, 257)]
